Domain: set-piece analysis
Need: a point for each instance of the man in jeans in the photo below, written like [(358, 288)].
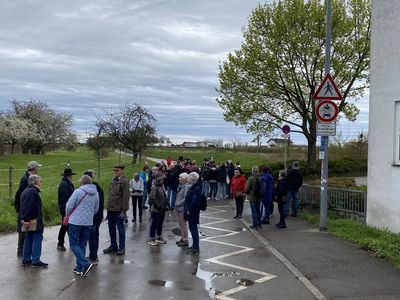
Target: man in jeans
[(294, 183), (118, 205), (32, 169), (30, 212)]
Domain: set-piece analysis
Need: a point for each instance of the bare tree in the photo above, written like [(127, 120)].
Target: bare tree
[(131, 127)]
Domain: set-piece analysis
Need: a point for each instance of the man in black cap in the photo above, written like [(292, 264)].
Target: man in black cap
[(65, 190), (118, 205), (32, 169)]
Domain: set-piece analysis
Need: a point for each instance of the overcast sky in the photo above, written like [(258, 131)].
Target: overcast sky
[(82, 57)]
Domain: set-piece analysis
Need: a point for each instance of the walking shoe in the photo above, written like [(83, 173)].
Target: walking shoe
[(86, 270), (75, 270), (61, 248), (109, 250), (265, 222), (121, 252), (293, 215), (39, 264), (192, 252), (160, 240), (94, 261), (152, 242), (235, 217), (133, 220), (278, 224), (26, 263), (254, 227), (281, 226), (140, 220), (182, 243)]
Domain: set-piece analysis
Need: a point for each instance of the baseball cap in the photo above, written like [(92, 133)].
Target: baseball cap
[(33, 165)]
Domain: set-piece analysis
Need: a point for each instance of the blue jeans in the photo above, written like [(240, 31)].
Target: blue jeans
[(157, 220), (173, 199), (265, 210), (78, 239), (94, 241), (221, 190), (213, 189), (195, 235), (206, 188), (291, 195), (255, 213), (115, 221), (33, 246)]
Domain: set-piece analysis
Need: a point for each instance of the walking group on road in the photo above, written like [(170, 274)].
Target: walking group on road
[(179, 186)]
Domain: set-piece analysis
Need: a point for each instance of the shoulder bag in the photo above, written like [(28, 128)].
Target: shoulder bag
[(66, 217)]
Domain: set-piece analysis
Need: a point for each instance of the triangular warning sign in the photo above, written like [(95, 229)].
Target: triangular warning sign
[(328, 90)]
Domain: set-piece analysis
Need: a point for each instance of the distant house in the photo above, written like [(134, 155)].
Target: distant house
[(190, 145), (272, 143)]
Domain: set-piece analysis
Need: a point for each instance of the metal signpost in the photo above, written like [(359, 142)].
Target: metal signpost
[(326, 111), (286, 131)]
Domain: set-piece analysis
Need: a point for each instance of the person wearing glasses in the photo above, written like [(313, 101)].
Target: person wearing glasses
[(118, 205)]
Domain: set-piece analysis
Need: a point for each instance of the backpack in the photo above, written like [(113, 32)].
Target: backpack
[(258, 188), (203, 203)]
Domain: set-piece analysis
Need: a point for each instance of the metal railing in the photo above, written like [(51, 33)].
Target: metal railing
[(347, 201)]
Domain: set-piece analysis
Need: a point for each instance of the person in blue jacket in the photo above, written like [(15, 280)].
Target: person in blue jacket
[(192, 211), (267, 184)]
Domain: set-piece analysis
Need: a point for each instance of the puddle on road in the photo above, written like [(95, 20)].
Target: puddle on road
[(245, 282), (161, 283), (207, 277), (230, 274)]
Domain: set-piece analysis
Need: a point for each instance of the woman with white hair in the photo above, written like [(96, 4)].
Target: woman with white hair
[(179, 206), (81, 207), (192, 211)]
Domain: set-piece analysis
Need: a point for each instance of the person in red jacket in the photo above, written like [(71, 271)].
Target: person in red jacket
[(238, 189)]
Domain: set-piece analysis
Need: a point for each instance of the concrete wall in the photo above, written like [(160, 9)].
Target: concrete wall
[(383, 209)]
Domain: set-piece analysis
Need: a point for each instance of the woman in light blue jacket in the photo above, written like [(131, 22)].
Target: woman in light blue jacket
[(81, 207)]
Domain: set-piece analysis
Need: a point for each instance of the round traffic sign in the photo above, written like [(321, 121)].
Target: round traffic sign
[(326, 111), (286, 129)]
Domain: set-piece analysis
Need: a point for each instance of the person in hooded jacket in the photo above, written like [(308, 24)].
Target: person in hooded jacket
[(81, 208), (192, 211), (281, 191), (159, 206)]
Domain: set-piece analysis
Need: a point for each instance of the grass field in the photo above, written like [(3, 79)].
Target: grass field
[(54, 164)]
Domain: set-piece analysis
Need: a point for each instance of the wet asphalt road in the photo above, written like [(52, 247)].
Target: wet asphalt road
[(233, 264)]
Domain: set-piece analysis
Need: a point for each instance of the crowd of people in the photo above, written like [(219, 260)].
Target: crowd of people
[(180, 186)]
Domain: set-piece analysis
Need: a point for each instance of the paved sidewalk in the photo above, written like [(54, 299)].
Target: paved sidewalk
[(337, 268)]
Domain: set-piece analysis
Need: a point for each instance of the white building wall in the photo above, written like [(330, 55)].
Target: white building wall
[(383, 207)]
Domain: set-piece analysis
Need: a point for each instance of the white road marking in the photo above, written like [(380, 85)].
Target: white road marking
[(217, 259)]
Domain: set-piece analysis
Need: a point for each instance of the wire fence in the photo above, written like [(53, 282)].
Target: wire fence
[(51, 174)]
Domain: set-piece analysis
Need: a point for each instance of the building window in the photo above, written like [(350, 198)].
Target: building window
[(397, 133)]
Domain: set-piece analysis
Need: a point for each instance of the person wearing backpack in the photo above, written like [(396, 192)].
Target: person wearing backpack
[(192, 211), (253, 192), (294, 182)]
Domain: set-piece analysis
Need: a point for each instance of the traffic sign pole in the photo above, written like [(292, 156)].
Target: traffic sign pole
[(323, 220)]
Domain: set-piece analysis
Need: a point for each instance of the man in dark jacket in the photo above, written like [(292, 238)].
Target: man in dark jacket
[(65, 190), (32, 169), (294, 182), (192, 211), (97, 219), (118, 205), (32, 223)]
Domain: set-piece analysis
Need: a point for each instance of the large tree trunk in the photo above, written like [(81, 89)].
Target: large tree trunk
[(312, 154)]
